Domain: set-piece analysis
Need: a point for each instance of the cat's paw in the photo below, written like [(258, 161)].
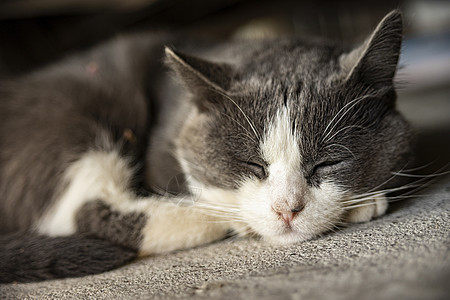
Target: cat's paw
[(99, 219), (372, 208)]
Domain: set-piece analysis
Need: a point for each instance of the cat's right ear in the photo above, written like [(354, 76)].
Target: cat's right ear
[(206, 80)]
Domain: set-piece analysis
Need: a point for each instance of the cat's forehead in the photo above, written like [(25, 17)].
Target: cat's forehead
[(299, 95), (291, 61), (305, 80), (297, 76)]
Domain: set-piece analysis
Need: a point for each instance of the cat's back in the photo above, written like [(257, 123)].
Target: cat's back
[(51, 116)]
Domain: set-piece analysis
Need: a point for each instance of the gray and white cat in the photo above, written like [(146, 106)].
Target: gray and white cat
[(284, 139)]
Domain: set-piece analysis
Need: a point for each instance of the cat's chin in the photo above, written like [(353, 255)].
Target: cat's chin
[(288, 238)]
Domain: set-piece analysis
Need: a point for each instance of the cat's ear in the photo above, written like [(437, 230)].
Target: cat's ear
[(375, 61), (207, 80)]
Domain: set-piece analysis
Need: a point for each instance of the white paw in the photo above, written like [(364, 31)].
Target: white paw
[(372, 208)]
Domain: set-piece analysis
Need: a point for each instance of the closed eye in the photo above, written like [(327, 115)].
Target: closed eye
[(326, 166), (258, 169)]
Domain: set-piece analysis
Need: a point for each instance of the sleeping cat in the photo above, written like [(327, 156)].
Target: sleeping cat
[(108, 155)]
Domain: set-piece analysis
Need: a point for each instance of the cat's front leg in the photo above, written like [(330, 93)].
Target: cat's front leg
[(367, 210), (150, 225), (172, 227), (97, 202)]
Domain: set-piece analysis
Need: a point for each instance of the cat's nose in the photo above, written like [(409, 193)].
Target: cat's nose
[(288, 215)]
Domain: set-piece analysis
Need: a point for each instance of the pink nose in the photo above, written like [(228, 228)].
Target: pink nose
[(288, 216)]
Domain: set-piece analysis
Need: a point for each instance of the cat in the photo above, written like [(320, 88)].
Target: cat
[(137, 148)]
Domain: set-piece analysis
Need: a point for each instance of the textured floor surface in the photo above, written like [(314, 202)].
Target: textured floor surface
[(403, 255)]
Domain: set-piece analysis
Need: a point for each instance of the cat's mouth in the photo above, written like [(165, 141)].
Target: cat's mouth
[(286, 227), (285, 233), (287, 236)]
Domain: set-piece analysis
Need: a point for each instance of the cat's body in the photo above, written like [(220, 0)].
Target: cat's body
[(282, 138)]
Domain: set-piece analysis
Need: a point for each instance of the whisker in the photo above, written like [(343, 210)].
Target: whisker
[(421, 175), (398, 198), (344, 110), (358, 200), (240, 109), (359, 205), (339, 145), (240, 125), (342, 129), (419, 188), (385, 191), (388, 180), (420, 167), (424, 177), (218, 212), (214, 204), (389, 199), (225, 221)]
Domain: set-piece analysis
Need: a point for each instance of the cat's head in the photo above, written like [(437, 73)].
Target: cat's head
[(294, 129)]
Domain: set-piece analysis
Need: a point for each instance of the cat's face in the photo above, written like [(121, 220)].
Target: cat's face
[(290, 135)]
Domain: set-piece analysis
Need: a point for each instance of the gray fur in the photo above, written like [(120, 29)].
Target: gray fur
[(311, 80), (97, 219), (50, 118), (212, 110), (30, 257)]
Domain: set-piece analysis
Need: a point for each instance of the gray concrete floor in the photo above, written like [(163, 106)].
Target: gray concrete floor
[(403, 255)]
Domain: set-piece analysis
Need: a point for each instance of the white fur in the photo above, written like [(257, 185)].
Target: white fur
[(280, 149), (97, 175), (280, 144), (105, 176), (180, 223), (255, 206), (173, 227), (367, 211), (286, 189)]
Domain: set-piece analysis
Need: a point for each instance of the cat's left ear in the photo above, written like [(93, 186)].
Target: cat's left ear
[(375, 61), (208, 80)]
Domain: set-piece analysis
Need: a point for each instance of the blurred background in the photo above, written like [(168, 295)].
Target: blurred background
[(36, 32)]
